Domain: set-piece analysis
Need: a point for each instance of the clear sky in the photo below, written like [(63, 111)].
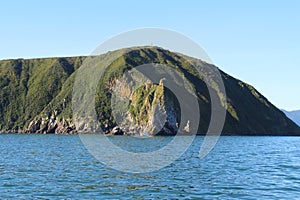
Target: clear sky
[(257, 41)]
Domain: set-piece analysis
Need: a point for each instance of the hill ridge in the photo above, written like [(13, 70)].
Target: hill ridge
[(36, 94)]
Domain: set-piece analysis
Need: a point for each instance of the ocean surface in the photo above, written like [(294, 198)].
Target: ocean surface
[(60, 167)]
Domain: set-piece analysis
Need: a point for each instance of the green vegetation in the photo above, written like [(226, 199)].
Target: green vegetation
[(36, 95), (142, 101)]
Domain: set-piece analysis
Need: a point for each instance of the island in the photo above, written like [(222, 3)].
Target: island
[(36, 97)]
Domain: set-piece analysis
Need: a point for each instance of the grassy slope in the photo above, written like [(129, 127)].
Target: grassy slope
[(40, 87), (28, 86)]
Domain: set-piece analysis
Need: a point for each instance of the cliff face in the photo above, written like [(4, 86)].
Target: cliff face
[(152, 110), (36, 95)]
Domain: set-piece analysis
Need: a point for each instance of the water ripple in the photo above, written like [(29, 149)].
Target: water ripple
[(59, 167)]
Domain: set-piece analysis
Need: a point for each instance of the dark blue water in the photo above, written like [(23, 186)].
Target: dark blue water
[(59, 167)]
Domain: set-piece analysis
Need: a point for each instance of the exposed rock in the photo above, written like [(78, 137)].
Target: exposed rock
[(51, 125)]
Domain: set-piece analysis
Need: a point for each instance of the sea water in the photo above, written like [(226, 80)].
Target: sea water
[(60, 167)]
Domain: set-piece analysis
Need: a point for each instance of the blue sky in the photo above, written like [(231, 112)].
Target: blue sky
[(255, 41)]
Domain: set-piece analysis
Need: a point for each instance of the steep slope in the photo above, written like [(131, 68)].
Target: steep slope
[(29, 86), (36, 95)]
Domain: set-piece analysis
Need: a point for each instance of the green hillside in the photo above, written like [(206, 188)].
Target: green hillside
[(36, 96)]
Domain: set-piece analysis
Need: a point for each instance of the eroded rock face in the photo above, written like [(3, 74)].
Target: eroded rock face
[(51, 125), (152, 110)]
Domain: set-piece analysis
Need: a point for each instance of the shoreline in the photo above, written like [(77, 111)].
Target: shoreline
[(160, 135)]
